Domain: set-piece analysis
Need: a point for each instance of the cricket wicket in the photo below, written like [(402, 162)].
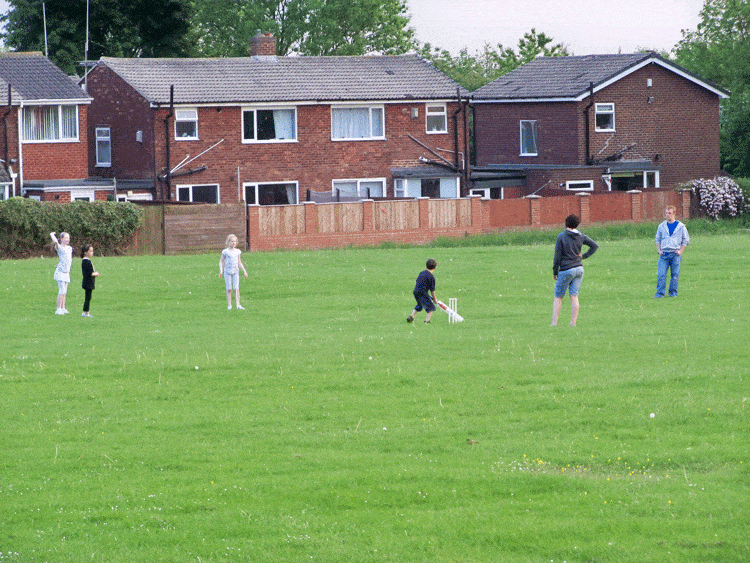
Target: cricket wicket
[(453, 304)]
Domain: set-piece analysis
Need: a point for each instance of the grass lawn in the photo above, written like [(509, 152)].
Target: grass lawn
[(317, 425)]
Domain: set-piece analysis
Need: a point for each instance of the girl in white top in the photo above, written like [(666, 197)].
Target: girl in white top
[(229, 267), (62, 272)]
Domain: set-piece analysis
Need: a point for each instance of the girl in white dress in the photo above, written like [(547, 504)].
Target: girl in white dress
[(229, 267), (62, 272)]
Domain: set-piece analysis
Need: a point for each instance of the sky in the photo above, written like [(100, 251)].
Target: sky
[(586, 27)]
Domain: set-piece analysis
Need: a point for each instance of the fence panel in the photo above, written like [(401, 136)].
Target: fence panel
[(202, 228), (398, 215)]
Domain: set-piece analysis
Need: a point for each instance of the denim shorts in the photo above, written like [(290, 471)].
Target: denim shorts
[(569, 280)]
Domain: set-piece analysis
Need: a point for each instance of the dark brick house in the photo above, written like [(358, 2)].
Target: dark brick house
[(594, 123), (43, 137), (268, 129)]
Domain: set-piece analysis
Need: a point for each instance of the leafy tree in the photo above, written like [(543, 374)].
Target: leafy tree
[(118, 28), (308, 27), (474, 71), (719, 50)]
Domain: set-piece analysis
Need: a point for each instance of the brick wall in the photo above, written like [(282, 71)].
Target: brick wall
[(673, 123), (125, 113), (57, 160), (674, 119), (313, 161)]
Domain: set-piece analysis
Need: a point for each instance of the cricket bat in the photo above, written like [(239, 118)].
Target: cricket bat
[(450, 312)]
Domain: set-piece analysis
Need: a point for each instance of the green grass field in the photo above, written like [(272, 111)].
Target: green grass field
[(317, 425)]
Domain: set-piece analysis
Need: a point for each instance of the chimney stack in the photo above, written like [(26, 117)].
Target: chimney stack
[(263, 46)]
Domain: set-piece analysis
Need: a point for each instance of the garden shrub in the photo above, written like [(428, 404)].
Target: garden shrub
[(719, 198), (26, 225)]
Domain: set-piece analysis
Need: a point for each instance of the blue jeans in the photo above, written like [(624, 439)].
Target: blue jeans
[(668, 261)]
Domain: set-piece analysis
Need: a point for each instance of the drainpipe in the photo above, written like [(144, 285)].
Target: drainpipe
[(5, 132), (167, 178), (455, 126), (588, 122)]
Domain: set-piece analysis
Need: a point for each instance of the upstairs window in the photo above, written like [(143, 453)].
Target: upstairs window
[(605, 117), (50, 123), (357, 123), (269, 125), (186, 124), (528, 138), (437, 118), (103, 147)]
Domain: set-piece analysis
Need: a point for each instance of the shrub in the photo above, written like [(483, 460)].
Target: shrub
[(719, 198), (26, 225)]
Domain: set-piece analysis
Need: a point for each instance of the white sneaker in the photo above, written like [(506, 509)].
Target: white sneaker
[(229, 307), (59, 312), (240, 308), (87, 315), (65, 311)]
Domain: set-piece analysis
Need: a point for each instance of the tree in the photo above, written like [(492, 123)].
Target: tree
[(118, 28), (473, 72), (719, 50), (307, 27)]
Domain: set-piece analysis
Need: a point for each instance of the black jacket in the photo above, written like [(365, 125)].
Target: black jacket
[(87, 268), (568, 249)]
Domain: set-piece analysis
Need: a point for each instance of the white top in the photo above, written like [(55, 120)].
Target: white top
[(62, 272), (231, 260)]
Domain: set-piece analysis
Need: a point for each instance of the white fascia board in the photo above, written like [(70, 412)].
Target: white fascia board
[(661, 63), (46, 102), (524, 100)]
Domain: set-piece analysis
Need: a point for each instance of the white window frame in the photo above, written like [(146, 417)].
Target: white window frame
[(257, 185), (57, 115), (588, 183), (436, 110), (535, 131), (255, 110), (645, 179), (359, 182), (186, 115), (604, 109), (190, 187), (4, 191), (106, 137), (370, 109)]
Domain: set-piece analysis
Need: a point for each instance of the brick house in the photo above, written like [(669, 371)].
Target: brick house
[(43, 142), (267, 130), (594, 123)]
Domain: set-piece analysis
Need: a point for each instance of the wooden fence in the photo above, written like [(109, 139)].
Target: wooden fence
[(176, 229)]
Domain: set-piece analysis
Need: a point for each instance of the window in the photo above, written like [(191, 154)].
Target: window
[(199, 193), (446, 187), (528, 138), (437, 118), (605, 117), (4, 191), (50, 123), (103, 146), (282, 193), (186, 124), (359, 189), (348, 124), (269, 125), (580, 186), (651, 179)]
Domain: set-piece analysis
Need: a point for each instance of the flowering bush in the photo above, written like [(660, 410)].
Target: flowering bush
[(720, 197)]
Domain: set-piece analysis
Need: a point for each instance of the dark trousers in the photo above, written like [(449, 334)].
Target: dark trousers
[(87, 300)]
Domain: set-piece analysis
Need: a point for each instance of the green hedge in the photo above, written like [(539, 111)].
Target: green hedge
[(25, 225)]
